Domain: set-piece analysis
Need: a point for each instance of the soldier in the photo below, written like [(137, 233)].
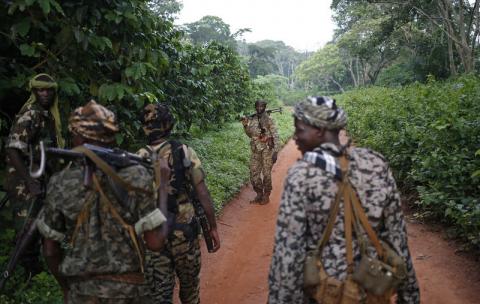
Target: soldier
[(264, 144), (100, 229), (181, 255), (310, 190), (38, 119)]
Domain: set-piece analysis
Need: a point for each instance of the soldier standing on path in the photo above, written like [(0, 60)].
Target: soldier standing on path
[(309, 194), (181, 255), (265, 146), (93, 233), (38, 120)]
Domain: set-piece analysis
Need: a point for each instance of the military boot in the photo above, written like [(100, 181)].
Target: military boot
[(265, 198), (258, 199)]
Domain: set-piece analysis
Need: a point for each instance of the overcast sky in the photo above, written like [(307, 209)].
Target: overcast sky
[(302, 24)]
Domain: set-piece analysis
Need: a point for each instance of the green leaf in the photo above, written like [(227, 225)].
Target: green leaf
[(23, 27), (27, 50), (119, 138), (45, 5), (57, 7)]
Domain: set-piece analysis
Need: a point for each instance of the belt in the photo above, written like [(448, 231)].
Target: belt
[(135, 278)]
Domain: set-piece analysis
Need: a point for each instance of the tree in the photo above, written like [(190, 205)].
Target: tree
[(324, 70), (212, 28)]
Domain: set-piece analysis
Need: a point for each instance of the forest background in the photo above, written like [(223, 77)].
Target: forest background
[(406, 72)]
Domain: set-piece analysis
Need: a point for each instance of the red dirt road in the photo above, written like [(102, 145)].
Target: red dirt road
[(237, 274)]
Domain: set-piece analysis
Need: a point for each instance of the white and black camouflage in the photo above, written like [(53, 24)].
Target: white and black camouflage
[(303, 215)]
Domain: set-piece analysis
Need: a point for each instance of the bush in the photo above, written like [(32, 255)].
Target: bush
[(430, 135)]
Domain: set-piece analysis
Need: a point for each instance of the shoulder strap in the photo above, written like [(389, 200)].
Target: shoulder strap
[(335, 207), (102, 165)]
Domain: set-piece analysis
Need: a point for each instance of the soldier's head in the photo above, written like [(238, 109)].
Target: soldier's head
[(93, 124), (260, 106), (157, 121), (317, 120), (44, 87)]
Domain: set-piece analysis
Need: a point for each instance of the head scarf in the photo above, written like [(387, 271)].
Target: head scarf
[(157, 121), (94, 122), (34, 83), (321, 112)]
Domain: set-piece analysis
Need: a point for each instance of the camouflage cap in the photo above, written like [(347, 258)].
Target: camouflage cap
[(157, 120), (261, 101), (93, 121), (321, 112)]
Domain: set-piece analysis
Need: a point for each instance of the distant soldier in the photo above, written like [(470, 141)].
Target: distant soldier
[(38, 119), (181, 255), (309, 193), (265, 146), (93, 234)]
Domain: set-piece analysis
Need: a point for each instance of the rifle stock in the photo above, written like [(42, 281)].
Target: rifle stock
[(202, 219)]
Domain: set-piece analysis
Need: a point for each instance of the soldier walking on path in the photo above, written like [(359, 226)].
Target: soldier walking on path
[(93, 234), (264, 144), (305, 212), (38, 120), (181, 255)]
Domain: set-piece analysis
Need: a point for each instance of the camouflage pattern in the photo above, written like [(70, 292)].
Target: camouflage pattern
[(303, 215), (157, 120), (101, 245), (321, 112), (94, 122), (74, 298), (181, 255), (261, 158)]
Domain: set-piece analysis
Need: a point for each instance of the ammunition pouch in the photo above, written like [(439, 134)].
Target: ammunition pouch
[(190, 230), (374, 280)]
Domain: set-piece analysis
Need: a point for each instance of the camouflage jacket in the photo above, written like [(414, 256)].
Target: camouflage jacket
[(254, 128), (309, 192), (194, 170), (101, 245), (29, 128)]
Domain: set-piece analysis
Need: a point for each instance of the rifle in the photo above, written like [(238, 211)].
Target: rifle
[(269, 111), (4, 200), (202, 220), (114, 157)]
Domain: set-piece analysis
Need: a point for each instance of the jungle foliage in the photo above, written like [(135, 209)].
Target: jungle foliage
[(430, 135), (121, 53)]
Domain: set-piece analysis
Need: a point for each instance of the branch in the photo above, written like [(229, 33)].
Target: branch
[(50, 54)]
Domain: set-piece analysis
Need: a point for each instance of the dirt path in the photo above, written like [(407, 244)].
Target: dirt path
[(237, 274)]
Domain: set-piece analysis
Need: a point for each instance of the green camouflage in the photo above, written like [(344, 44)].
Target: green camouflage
[(261, 158), (32, 126), (101, 245), (181, 255)]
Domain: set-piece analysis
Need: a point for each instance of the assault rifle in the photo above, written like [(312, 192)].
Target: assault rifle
[(202, 220), (116, 158), (269, 111)]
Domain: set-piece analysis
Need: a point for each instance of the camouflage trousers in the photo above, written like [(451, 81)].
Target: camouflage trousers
[(180, 257), (106, 292), (261, 166), (85, 299), (30, 258)]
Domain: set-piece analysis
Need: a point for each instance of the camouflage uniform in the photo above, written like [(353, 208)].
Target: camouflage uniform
[(30, 127), (101, 245), (261, 158), (309, 192), (181, 254)]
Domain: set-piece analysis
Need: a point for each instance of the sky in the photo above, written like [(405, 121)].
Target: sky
[(302, 24)]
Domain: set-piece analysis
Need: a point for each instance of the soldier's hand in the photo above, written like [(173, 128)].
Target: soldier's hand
[(274, 157), (215, 238), (34, 187)]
